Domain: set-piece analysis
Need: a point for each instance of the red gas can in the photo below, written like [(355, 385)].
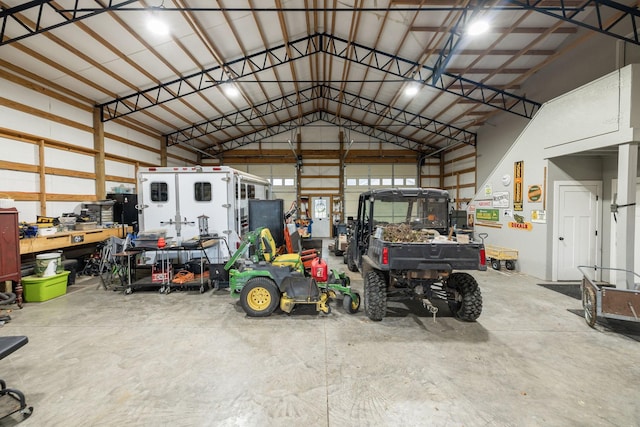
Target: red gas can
[(319, 270)]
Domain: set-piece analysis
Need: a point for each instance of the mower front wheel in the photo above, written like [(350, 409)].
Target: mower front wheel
[(259, 297), (351, 304)]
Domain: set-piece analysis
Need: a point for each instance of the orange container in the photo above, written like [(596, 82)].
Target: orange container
[(319, 270)]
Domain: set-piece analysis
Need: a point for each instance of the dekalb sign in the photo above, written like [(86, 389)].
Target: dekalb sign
[(521, 225)]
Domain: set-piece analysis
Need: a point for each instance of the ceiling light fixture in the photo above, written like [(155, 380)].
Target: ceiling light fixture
[(231, 90), (155, 24), (477, 27), (411, 90)]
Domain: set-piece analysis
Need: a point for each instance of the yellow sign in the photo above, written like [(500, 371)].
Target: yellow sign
[(518, 179), (521, 225)]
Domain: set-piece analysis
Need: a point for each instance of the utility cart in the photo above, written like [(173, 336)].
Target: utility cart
[(605, 300), (497, 254)]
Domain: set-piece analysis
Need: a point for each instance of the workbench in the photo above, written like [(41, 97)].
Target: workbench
[(69, 239)]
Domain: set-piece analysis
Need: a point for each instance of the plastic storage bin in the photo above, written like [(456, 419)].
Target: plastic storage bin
[(38, 289)]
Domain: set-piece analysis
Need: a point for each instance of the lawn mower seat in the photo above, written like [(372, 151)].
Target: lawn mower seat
[(269, 252)]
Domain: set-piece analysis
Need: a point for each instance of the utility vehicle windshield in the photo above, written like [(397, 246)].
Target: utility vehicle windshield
[(419, 212)]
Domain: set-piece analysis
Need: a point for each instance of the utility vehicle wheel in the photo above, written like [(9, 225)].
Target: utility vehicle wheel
[(589, 304), (465, 299), (510, 264), (344, 258), (375, 295), (495, 264), (351, 263), (259, 297), (351, 305)]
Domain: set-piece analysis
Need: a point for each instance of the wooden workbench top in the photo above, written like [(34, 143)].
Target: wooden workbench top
[(68, 239)]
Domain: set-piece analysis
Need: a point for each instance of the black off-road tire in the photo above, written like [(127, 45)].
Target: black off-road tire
[(375, 295), (259, 297), (495, 264), (351, 262), (465, 298)]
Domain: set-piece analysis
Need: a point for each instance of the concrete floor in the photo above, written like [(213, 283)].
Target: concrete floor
[(101, 358)]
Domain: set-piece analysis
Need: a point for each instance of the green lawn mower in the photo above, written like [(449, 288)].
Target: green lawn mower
[(264, 281)]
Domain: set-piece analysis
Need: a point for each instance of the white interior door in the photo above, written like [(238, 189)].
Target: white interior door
[(576, 226), (321, 217)]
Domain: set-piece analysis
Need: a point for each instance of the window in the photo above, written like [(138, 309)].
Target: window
[(410, 182), (277, 182), (289, 182), (398, 181), (202, 191), (363, 181), (386, 182), (159, 192), (351, 182), (375, 181)]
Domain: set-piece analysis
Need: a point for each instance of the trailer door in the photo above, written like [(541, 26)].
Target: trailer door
[(174, 201), (158, 202), (203, 195)]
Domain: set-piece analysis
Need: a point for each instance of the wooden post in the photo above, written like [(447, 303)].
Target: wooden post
[(298, 168), (342, 166), (163, 151), (43, 181), (98, 145)]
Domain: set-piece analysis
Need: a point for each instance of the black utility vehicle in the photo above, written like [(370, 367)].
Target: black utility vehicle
[(404, 246)]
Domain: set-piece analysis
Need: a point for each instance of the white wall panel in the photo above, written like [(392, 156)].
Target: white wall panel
[(69, 185), (68, 160), (56, 209), (19, 181), (19, 152), (117, 168), (132, 152), (47, 104), (27, 211), (131, 134), (33, 125)]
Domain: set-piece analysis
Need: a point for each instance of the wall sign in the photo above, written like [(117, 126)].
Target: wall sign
[(488, 214), (501, 199), (521, 225), (534, 194), (539, 216), (518, 176)]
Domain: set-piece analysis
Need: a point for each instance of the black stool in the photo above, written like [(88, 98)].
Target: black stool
[(7, 346)]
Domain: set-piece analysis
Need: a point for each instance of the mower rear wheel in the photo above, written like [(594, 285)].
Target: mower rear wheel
[(259, 297), (351, 304)]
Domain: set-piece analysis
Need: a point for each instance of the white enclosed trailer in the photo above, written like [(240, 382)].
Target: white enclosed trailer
[(173, 199)]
